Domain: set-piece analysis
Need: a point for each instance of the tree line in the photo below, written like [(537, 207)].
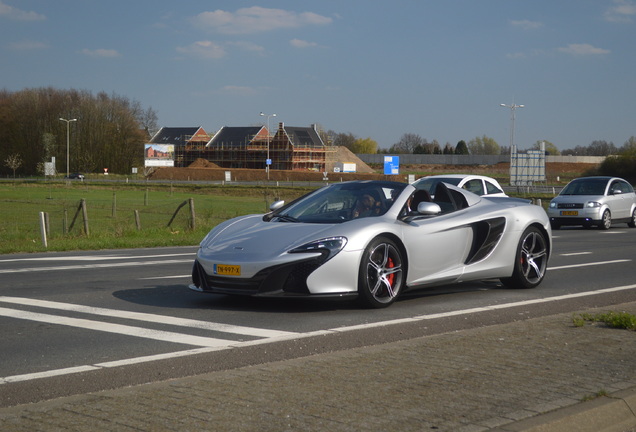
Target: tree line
[(108, 132), (619, 161), (410, 143)]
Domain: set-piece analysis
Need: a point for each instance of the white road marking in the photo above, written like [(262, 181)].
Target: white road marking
[(154, 318), (94, 257), (166, 277), (93, 266), (141, 332), (575, 254), (47, 374), (588, 264), (231, 345)]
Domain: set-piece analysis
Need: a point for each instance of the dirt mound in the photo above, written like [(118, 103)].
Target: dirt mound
[(243, 175), (344, 155), (203, 163), (204, 170)]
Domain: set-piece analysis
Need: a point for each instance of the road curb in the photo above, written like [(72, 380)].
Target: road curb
[(613, 413)]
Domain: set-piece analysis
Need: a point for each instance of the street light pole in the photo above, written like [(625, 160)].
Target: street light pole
[(512, 107), (268, 161), (68, 140), (513, 149)]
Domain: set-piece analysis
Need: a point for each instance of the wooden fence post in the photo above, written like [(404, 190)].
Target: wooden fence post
[(84, 216), (46, 224), (137, 220), (192, 215)]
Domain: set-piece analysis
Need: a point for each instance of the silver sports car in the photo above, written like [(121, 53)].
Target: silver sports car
[(373, 240)]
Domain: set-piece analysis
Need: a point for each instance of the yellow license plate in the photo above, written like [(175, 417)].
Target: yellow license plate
[(570, 213), (227, 270)]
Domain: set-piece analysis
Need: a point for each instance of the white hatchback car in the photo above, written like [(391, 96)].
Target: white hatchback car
[(477, 184), (598, 201)]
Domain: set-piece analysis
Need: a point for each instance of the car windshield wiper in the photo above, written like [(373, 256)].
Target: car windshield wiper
[(286, 218)]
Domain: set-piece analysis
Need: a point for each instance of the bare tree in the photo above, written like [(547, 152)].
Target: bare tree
[(13, 162), (345, 140), (147, 119), (408, 143)]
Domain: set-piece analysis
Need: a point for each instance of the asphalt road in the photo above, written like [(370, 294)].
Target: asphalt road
[(85, 321)]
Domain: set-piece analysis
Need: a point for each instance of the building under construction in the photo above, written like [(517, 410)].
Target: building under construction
[(290, 148)]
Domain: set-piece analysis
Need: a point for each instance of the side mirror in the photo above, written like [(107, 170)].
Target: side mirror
[(276, 205), (428, 208), (617, 192)]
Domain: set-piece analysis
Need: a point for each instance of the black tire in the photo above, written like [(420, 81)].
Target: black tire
[(606, 220), (382, 273), (632, 222), (531, 260)]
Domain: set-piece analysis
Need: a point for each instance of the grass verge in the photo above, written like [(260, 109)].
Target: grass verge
[(620, 320)]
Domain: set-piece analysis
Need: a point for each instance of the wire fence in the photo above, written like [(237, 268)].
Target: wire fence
[(45, 215)]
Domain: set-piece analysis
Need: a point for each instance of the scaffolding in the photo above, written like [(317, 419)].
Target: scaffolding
[(252, 153)]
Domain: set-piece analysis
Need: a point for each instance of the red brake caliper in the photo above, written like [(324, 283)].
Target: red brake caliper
[(391, 277)]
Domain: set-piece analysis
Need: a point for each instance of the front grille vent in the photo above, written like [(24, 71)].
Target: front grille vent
[(570, 205)]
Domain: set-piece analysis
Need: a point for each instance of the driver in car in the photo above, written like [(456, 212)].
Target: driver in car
[(366, 206)]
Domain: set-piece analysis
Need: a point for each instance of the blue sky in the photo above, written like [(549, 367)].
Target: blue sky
[(377, 69)]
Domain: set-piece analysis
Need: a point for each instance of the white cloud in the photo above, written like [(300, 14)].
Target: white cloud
[(256, 19), (622, 11), (203, 49), (102, 53), (582, 49), (299, 43), (27, 45), (18, 14), (526, 24)]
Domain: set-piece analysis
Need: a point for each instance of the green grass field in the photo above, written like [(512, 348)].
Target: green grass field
[(111, 214), (110, 210)]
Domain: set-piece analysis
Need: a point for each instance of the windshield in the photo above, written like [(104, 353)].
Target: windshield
[(341, 202), (585, 187)]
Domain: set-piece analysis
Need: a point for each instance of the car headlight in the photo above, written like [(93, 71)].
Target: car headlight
[(592, 204), (553, 204), (328, 247)]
